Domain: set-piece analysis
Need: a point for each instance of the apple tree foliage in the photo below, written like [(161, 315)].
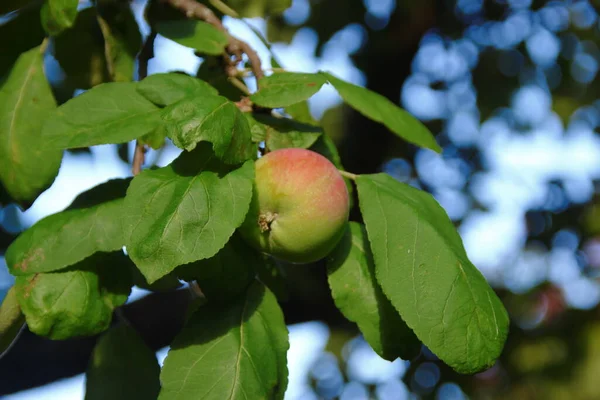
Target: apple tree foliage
[(401, 274)]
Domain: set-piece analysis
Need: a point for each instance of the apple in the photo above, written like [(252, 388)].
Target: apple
[(299, 207)]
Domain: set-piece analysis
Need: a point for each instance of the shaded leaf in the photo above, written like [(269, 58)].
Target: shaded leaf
[(351, 276), (198, 35), (423, 269), (155, 139), (108, 113), (230, 351), (121, 37), (287, 88), (213, 119), (11, 320), (212, 71), (184, 212), (281, 133), (270, 273), (227, 273), (26, 166), (122, 367), (58, 15), (78, 301), (166, 89), (258, 8), (26, 25), (91, 224), (301, 112), (380, 109), (80, 51), (164, 284)]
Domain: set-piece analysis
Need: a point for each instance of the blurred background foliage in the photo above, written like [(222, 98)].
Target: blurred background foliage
[(510, 89)]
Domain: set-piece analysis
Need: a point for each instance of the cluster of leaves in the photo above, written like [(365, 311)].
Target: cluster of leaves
[(403, 276)]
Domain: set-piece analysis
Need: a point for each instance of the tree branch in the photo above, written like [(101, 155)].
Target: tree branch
[(235, 47), (35, 361), (139, 156), (146, 53)]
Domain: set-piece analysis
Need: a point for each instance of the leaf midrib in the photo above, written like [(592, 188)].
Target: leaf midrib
[(23, 89)]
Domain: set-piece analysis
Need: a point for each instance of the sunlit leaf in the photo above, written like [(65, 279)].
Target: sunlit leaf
[(423, 269), (230, 351), (27, 166), (351, 276), (184, 212), (165, 89), (108, 113), (91, 224), (78, 301), (287, 88), (380, 109), (213, 119)]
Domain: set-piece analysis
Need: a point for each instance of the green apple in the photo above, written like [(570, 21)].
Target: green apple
[(299, 207)]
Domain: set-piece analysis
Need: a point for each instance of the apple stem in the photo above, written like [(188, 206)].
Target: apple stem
[(348, 175), (265, 220)]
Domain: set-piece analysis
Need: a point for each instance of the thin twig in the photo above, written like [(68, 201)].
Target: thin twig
[(224, 8), (239, 84), (139, 156), (235, 46), (146, 53)]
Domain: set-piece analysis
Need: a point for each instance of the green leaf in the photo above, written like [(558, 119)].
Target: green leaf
[(281, 133), (169, 88), (234, 351), (211, 71), (270, 273), (78, 301), (91, 224), (122, 367), (287, 88), (121, 37), (258, 8), (213, 119), (11, 320), (155, 139), (351, 275), (198, 35), (80, 51), (166, 283), (380, 109), (108, 113), (27, 166), (58, 15), (301, 112), (227, 273), (423, 269), (184, 212)]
